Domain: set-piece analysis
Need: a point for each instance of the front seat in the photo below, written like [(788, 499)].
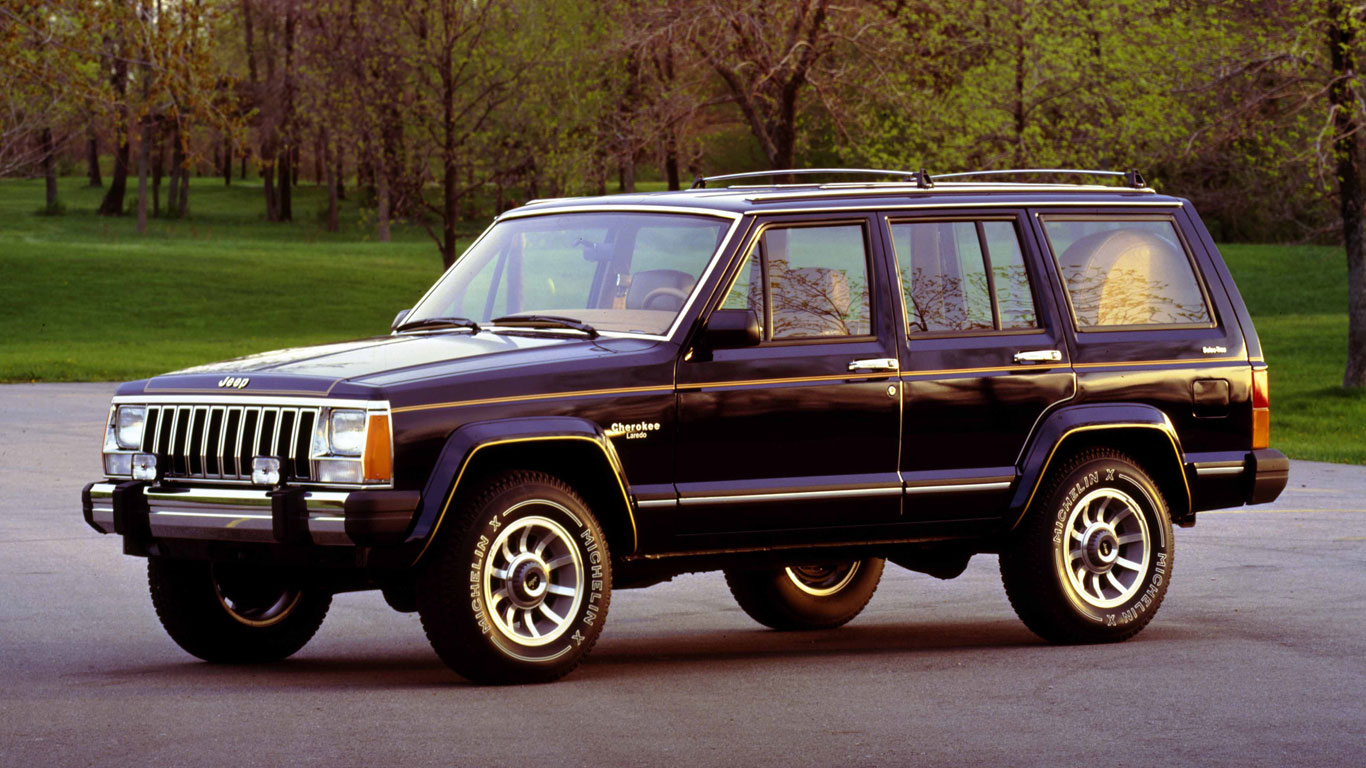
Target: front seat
[(659, 289)]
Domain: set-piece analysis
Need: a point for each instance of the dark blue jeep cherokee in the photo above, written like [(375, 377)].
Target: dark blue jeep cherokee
[(792, 383)]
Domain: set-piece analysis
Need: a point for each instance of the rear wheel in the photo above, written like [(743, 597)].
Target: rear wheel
[(1093, 557), (233, 614), (517, 587), (806, 596)]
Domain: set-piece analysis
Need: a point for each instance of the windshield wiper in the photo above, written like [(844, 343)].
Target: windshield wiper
[(440, 322), (545, 321)]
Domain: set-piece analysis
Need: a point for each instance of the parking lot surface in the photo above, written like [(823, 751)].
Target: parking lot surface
[(1256, 658)]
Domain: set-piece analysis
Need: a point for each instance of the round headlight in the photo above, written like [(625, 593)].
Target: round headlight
[(348, 432), (128, 426)]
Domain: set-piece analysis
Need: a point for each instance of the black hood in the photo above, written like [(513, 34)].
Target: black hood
[(379, 362)]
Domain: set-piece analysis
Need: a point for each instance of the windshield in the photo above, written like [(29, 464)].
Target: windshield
[(615, 271)]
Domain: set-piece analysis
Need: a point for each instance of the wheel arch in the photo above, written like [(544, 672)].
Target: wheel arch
[(1141, 431), (572, 449)]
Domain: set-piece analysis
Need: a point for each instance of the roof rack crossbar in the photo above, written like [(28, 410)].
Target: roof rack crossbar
[(701, 181), (1132, 178)]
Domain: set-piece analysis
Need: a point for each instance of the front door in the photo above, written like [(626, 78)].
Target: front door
[(801, 432)]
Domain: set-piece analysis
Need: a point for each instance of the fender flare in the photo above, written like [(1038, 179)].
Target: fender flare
[(466, 441), (1038, 455)]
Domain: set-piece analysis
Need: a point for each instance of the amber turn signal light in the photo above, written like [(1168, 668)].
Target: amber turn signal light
[(1261, 409), (377, 461)]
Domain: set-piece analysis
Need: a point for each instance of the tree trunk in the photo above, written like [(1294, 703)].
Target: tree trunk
[(50, 170), (285, 197), (92, 155), (227, 162), (319, 159), (628, 174), (671, 158), (112, 204), (158, 170), (382, 206), (183, 203), (1351, 196), (268, 186), (450, 177), (180, 176), (144, 160), (332, 185), (340, 174)]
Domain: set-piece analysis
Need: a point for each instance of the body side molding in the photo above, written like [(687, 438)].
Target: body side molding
[(1060, 425), (469, 439)]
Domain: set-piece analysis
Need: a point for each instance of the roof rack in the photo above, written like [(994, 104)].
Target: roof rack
[(921, 177), (1132, 178)]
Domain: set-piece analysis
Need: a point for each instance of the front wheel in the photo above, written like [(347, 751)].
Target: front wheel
[(233, 614), (517, 587), (1093, 558), (806, 596)]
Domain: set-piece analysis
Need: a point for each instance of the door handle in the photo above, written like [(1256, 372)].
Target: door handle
[(875, 364), (1039, 356)]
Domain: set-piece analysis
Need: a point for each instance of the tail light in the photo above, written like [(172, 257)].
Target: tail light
[(1261, 409)]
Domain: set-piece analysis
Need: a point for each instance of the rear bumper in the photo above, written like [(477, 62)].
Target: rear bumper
[(1270, 472), (284, 516), (1220, 480)]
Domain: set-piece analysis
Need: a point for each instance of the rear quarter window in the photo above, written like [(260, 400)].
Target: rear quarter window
[(1127, 273)]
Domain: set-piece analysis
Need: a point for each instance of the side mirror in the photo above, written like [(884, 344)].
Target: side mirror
[(398, 319), (730, 328)]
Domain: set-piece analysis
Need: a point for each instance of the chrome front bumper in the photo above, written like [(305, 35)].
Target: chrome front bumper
[(240, 515)]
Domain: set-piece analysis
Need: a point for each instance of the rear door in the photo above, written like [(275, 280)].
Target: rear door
[(983, 357)]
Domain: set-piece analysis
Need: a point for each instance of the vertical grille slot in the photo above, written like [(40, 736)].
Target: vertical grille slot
[(213, 444), (194, 449), (232, 446), (265, 439), (180, 436), (149, 432), (251, 419), (303, 442)]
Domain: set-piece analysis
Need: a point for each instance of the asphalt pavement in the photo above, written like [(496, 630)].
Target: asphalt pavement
[(1256, 658)]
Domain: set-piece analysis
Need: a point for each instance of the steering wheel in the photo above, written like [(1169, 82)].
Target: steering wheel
[(663, 291)]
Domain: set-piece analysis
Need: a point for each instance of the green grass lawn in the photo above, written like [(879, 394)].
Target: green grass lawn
[(84, 298), (1298, 299)]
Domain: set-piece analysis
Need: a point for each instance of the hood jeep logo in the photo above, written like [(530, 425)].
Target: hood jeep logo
[(234, 382), (632, 431)]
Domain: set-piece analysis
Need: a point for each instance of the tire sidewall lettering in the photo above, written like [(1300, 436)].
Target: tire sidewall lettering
[(1153, 580)]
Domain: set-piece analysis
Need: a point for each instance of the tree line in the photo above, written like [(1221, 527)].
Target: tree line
[(436, 111)]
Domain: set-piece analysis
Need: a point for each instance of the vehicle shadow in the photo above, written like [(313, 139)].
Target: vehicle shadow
[(416, 667)]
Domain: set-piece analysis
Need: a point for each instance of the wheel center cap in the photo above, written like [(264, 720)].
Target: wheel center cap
[(1101, 548), (528, 583)]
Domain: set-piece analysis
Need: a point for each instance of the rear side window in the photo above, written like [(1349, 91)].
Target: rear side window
[(1127, 273), (963, 276)]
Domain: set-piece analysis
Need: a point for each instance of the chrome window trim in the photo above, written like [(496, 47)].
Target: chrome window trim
[(522, 213)]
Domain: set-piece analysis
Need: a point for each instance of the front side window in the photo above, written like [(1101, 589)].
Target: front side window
[(816, 279), (1126, 272), (963, 276), (616, 271)]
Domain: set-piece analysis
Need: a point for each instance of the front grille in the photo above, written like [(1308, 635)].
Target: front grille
[(218, 442)]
